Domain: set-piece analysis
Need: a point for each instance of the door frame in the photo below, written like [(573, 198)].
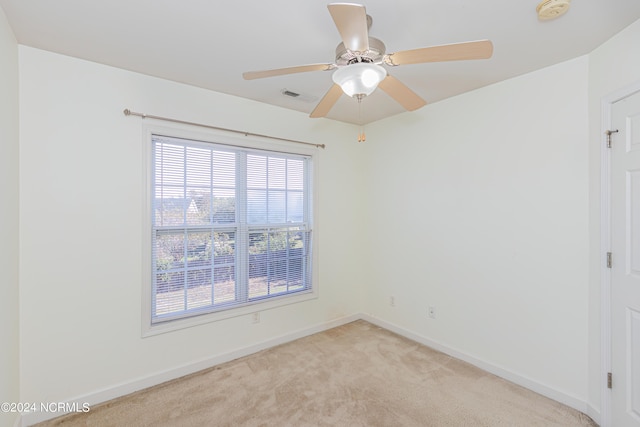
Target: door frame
[(605, 246)]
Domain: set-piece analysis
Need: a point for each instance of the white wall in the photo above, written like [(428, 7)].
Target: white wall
[(9, 331), (81, 216), (480, 208), (612, 67), (501, 233)]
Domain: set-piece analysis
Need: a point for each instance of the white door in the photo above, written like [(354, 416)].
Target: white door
[(625, 273)]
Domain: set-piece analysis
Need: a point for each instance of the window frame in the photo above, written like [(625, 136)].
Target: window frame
[(149, 328)]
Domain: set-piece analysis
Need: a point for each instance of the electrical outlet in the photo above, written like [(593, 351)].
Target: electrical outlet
[(392, 301), (431, 311), (255, 317)]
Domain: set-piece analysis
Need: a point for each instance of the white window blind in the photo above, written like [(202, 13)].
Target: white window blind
[(230, 227)]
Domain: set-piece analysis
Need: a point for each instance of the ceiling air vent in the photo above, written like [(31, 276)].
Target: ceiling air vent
[(298, 96), (550, 9), (286, 92)]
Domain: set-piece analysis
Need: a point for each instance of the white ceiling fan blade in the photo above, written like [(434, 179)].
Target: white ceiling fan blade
[(250, 75), (351, 21), (327, 102), (401, 93), (481, 49)]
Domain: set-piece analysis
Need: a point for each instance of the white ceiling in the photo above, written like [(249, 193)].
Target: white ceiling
[(209, 43)]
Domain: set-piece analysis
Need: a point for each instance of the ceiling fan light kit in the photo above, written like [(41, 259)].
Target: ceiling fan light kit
[(359, 79), (360, 58), (551, 9)]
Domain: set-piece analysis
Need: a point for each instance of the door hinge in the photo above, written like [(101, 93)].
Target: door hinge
[(609, 380), (608, 133), (609, 260)]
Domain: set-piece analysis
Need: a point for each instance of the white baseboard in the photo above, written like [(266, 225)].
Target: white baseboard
[(122, 389), (508, 375), (593, 413)]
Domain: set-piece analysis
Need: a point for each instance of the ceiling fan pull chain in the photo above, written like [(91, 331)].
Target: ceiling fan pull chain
[(361, 136)]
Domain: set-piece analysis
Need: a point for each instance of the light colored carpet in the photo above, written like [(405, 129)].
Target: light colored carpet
[(354, 375)]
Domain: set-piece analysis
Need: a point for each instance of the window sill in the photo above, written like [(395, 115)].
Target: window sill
[(149, 329)]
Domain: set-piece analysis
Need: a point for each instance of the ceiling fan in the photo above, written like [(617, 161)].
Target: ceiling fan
[(359, 59)]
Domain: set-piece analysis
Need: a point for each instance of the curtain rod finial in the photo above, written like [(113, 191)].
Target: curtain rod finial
[(127, 112)]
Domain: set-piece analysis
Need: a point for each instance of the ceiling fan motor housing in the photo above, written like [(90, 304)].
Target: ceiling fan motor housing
[(375, 53)]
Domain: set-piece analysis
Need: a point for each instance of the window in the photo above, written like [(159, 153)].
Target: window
[(230, 227)]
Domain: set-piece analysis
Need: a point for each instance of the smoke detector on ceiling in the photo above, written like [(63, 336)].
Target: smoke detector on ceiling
[(550, 9)]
